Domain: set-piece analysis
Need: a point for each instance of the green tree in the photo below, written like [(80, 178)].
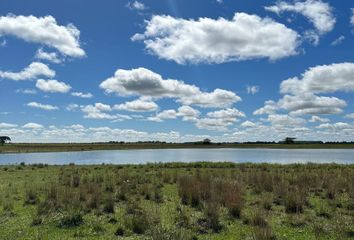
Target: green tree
[(289, 140), (4, 139)]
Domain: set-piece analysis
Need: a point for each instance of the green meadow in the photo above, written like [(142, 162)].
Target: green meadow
[(177, 201)]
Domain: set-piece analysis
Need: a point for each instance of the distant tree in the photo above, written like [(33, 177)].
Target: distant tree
[(206, 141), (4, 139), (289, 140)]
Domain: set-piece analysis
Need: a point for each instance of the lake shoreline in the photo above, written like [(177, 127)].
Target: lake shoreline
[(79, 147)]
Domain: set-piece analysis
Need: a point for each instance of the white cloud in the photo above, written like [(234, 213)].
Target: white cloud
[(322, 79), (139, 105), (311, 104), (270, 107), (284, 120), (218, 98), (186, 112), (248, 124), (7, 125), (52, 86), (27, 91), (338, 41), (33, 71), (208, 40), (48, 56), (252, 89), (352, 17), (229, 113), (145, 83), (336, 126), (43, 30), (220, 120), (166, 114), (315, 119), (42, 106), (82, 95), (72, 107), (32, 125), (3, 43), (99, 112), (136, 5), (317, 12), (350, 115)]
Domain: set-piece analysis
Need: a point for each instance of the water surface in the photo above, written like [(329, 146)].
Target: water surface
[(258, 155)]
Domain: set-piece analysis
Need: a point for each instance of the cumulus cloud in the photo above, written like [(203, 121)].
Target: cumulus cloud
[(252, 89), (145, 83), (317, 12), (315, 119), (3, 43), (186, 112), (82, 95), (350, 115), (338, 41), (220, 120), (352, 17), (270, 107), (48, 56), (7, 125), (72, 107), (284, 120), (136, 5), (43, 30), (207, 40), (32, 125), (311, 104), (27, 91), (336, 126), (322, 79), (248, 124), (42, 106), (34, 70), (301, 94), (139, 105), (166, 114), (101, 111), (52, 86)]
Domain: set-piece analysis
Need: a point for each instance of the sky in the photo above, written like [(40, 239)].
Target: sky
[(176, 70)]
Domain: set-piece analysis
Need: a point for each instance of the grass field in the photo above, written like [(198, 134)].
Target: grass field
[(64, 147), (177, 201)]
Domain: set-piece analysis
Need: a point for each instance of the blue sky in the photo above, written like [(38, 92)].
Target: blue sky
[(175, 71)]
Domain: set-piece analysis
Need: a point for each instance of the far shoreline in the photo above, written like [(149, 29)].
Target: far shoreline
[(78, 147)]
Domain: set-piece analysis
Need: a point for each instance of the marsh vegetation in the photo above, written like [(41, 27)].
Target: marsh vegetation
[(177, 201)]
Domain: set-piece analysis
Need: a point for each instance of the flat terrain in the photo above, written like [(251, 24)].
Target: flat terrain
[(177, 201), (65, 147)]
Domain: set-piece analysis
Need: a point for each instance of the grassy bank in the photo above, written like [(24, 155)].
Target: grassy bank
[(177, 201), (65, 147)]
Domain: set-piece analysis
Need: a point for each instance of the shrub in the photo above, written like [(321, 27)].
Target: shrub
[(262, 233), (108, 205), (258, 219), (31, 195), (136, 219), (233, 199), (120, 231), (295, 201), (72, 219), (212, 217)]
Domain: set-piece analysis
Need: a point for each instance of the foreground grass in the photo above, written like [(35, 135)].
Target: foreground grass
[(64, 147), (177, 201)]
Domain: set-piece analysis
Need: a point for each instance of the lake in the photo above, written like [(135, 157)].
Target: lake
[(258, 155)]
